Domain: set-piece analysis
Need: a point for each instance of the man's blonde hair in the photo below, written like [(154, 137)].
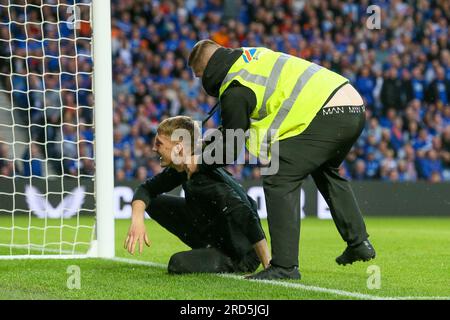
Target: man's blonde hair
[(195, 57), (169, 125)]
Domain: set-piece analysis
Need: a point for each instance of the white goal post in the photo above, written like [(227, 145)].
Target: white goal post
[(104, 182), (56, 130)]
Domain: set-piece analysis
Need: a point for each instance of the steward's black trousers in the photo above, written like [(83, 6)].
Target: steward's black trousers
[(172, 213), (318, 151)]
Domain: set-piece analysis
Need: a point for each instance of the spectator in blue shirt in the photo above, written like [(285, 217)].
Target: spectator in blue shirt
[(372, 166), (360, 170), (430, 164), (396, 135), (418, 84), (32, 163), (439, 89), (365, 85), (423, 141)]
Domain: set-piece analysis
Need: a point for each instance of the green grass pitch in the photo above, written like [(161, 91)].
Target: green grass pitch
[(413, 256)]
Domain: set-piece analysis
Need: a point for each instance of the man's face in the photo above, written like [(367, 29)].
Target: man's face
[(165, 148)]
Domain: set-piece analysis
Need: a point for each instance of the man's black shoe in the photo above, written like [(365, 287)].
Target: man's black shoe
[(276, 273), (362, 252)]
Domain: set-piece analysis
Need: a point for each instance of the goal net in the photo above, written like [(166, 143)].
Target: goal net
[(49, 141)]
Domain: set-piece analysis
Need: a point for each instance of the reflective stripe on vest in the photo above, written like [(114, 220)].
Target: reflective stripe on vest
[(244, 74), (270, 83), (286, 107)]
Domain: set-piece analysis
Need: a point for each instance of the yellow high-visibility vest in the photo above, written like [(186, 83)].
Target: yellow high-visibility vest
[(289, 92)]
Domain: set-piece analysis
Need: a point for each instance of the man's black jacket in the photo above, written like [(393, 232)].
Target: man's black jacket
[(222, 213)]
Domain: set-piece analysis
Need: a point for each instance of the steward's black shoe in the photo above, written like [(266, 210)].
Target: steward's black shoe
[(276, 273), (361, 252)]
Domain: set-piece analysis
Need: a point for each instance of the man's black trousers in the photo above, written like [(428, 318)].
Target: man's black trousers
[(172, 213), (318, 151)]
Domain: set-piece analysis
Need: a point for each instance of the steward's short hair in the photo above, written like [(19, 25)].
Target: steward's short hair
[(198, 50)]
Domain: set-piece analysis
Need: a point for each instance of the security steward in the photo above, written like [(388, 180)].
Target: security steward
[(300, 115)]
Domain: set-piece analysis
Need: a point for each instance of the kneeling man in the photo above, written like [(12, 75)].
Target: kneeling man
[(217, 219)]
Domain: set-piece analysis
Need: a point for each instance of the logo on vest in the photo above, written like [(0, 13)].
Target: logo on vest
[(249, 55)]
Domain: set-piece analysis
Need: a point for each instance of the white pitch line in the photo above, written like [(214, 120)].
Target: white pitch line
[(348, 294), (344, 293), (271, 282), (138, 262), (63, 254)]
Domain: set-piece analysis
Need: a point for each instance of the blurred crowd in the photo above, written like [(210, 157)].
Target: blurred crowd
[(46, 71), (402, 70)]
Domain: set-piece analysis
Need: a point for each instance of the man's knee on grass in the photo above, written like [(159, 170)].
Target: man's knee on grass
[(199, 261)]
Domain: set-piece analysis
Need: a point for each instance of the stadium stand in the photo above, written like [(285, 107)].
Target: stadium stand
[(402, 70)]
